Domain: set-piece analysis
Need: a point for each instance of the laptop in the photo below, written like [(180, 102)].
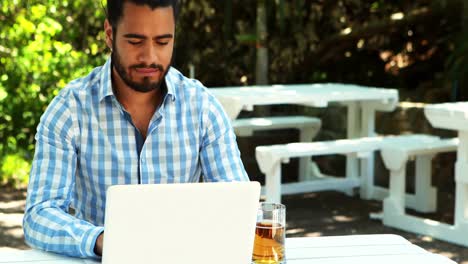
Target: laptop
[(207, 223)]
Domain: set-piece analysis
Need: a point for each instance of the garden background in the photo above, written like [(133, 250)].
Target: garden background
[(418, 47)]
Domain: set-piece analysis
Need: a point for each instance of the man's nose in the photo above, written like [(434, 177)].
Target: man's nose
[(148, 55)]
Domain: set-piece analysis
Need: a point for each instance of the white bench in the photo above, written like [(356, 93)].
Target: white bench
[(395, 159), (269, 159), (308, 128)]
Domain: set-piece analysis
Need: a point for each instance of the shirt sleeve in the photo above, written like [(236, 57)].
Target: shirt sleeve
[(219, 153), (47, 224)]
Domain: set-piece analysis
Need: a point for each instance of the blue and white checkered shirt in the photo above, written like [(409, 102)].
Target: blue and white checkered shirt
[(86, 142)]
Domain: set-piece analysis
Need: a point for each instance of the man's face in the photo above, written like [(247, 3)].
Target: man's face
[(142, 46)]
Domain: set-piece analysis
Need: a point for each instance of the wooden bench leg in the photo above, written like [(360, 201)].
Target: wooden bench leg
[(425, 194), (461, 204), (354, 131), (367, 177), (461, 181), (394, 204), (306, 135), (273, 184), (394, 214), (367, 128), (425, 197)]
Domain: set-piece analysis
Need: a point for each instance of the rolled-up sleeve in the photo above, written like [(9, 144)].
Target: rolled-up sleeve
[(47, 224)]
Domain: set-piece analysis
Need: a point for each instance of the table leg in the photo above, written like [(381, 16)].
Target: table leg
[(425, 195), (306, 135), (273, 184), (353, 131), (394, 204), (367, 129), (461, 180)]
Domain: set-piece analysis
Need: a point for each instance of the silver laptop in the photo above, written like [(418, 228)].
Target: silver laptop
[(207, 223)]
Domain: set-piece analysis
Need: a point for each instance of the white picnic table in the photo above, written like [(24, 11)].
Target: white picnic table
[(452, 116), (362, 104), (354, 249)]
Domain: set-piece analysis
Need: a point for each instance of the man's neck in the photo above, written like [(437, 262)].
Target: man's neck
[(141, 106)]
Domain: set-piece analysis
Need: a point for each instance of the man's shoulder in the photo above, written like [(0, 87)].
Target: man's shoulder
[(183, 84), (75, 93), (84, 85)]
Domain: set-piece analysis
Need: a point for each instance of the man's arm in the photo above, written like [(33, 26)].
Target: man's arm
[(219, 154), (47, 224)]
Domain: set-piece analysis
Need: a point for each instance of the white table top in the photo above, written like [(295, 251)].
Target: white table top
[(358, 249), (316, 95), (448, 115)]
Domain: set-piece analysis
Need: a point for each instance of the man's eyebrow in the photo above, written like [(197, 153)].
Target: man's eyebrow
[(138, 36), (164, 36), (132, 35)]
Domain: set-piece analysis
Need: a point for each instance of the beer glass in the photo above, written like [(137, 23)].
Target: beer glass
[(270, 234)]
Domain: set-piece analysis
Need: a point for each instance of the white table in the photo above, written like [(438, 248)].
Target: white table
[(357, 249), (362, 103), (447, 116)]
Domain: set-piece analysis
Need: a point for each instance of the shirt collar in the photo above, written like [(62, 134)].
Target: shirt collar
[(105, 88), (170, 89)]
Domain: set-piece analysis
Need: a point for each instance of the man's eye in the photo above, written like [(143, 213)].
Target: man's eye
[(134, 42), (163, 43)]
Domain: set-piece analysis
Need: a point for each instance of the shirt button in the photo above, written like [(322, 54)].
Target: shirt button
[(143, 160)]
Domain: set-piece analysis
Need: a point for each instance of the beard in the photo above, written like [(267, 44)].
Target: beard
[(146, 85)]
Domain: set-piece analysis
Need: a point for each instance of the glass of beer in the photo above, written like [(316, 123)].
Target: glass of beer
[(270, 234)]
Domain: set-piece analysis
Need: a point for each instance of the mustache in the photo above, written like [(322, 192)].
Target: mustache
[(153, 66)]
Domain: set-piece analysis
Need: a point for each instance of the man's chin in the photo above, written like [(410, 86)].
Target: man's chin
[(144, 87), (144, 84)]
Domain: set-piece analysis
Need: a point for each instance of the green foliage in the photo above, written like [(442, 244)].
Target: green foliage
[(14, 170), (45, 44)]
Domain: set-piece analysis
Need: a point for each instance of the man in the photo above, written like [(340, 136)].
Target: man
[(134, 120)]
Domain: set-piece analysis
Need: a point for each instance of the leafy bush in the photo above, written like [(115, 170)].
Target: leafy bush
[(43, 45), (15, 170)]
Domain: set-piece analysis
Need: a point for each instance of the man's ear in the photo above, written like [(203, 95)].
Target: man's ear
[(109, 35)]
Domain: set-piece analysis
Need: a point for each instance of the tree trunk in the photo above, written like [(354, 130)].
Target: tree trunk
[(261, 67), (465, 15), (261, 71), (458, 93)]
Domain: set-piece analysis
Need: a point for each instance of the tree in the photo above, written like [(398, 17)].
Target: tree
[(43, 45), (261, 68)]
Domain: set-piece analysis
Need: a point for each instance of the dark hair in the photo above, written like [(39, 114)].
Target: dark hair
[(115, 8)]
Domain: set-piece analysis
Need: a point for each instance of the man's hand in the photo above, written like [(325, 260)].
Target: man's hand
[(99, 244)]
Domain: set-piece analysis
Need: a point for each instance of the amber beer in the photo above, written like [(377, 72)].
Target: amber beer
[(268, 244), (270, 234)]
